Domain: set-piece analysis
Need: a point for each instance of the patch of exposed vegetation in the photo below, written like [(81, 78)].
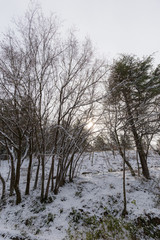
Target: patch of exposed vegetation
[(91, 227)]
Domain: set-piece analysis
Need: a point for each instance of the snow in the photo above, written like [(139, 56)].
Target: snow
[(97, 186)]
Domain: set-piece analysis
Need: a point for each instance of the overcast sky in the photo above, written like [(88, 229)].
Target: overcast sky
[(114, 26)]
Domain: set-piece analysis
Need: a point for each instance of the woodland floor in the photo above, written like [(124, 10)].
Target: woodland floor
[(90, 207)]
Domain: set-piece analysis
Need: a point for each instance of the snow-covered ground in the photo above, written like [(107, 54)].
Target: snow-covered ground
[(96, 192)]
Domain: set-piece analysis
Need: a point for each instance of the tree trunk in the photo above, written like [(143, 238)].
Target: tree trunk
[(12, 180), (137, 140), (124, 212), (138, 164), (70, 170), (3, 186), (17, 178), (37, 174), (29, 170), (143, 161), (43, 177), (18, 167), (123, 154), (18, 194), (50, 177), (129, 165), (57, 179)]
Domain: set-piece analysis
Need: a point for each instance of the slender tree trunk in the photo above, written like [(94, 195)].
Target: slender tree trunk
[(29, 169), (50, 177), (127, 163), (57, 179), (92, 157), (43, 177), (138, 164), (17, 178), (124, 212), (37, 173), (137, 140), (142, 155), (70, 170), (3, 186), (12, 180), (48, 183), (123, 154)]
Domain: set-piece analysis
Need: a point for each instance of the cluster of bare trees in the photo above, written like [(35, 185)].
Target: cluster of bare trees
[(48, 87)]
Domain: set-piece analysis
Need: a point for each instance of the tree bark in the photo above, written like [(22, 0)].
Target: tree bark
[(18, 194), (124, 212), (12, 180), (43, 177), (29, 170), (3, 186), (17, 178), (137, 140), (123, 154), (37, 174), (50, 177)]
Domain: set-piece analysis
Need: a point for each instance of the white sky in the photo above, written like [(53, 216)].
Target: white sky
[(114, 26)]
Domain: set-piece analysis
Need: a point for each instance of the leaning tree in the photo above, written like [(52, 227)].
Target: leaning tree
[(133, 85)]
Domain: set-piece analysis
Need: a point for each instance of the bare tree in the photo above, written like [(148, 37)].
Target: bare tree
[(45, 81), (77, 76), (115, 123)]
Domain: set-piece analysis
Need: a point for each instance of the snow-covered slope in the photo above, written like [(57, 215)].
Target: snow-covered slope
[(96, 191)]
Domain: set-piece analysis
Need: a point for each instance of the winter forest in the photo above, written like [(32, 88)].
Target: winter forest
[(79, 138)]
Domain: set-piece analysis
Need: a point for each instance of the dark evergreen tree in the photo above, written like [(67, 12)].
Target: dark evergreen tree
[(133, 82)]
